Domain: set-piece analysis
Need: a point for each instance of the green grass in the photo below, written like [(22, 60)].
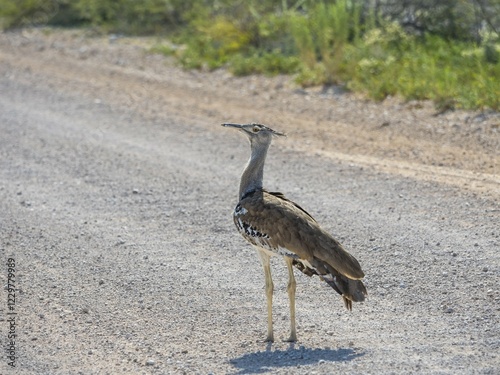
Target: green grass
[(333, 44), (453, 74), (268, 63), (318, 42)]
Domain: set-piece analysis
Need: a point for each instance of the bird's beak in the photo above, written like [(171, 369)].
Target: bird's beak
[(279, 133), (237, 126)]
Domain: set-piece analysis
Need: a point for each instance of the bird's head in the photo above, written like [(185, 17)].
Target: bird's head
[(256, 133)]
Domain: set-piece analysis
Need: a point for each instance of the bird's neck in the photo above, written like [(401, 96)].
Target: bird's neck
[(253, 174)]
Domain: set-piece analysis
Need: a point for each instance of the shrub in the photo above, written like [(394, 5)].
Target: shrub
[(322, 34), (447, 51), (14, 13), (270, 63)]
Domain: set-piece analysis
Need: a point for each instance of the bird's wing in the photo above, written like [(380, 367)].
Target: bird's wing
[(283, 225), (282, 196)]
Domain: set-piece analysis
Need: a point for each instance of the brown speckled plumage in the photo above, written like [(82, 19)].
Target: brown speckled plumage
[(278, 226)]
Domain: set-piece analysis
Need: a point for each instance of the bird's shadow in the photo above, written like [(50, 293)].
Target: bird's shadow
[(263, 361)]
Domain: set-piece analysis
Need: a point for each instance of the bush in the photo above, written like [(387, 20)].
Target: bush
[(14, 13), (134, 17), (321, 36), (212, 43), (447, 51), (270, 63), (124, 16), (428, 68)]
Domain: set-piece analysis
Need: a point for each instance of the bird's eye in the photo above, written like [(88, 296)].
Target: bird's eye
[(255, 129)]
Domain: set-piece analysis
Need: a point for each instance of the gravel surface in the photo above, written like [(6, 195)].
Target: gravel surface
[(117, 186)]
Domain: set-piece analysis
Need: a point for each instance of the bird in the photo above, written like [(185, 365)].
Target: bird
[(275, 225)]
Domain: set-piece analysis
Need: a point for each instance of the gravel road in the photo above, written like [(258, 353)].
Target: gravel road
[(117, 186)]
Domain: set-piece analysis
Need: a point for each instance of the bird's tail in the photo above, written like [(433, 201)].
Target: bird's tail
[(350, 290)]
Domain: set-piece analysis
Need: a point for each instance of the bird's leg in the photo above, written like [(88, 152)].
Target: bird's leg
[(266, 264), (291, 296)]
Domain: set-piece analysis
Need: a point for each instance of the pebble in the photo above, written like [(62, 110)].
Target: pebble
[(150, 362)]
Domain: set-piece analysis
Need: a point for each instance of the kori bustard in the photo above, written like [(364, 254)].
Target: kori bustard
[(277, 226)]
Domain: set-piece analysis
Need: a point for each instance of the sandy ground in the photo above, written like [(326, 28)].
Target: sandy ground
[(117, 186)]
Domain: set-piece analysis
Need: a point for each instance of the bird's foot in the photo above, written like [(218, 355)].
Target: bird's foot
[(292, 338), (269, 338)]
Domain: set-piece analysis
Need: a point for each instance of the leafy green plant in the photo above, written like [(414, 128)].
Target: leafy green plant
[(453, 58), (163, 49), (15, 13), (322, 35), (451, 74), (133, 17), (212, 43), (270, 63)]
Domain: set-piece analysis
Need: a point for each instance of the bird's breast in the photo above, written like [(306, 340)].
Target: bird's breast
[(256, 235), (248, 230)]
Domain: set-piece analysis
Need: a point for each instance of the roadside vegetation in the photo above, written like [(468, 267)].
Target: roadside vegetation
[(447, 51)]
